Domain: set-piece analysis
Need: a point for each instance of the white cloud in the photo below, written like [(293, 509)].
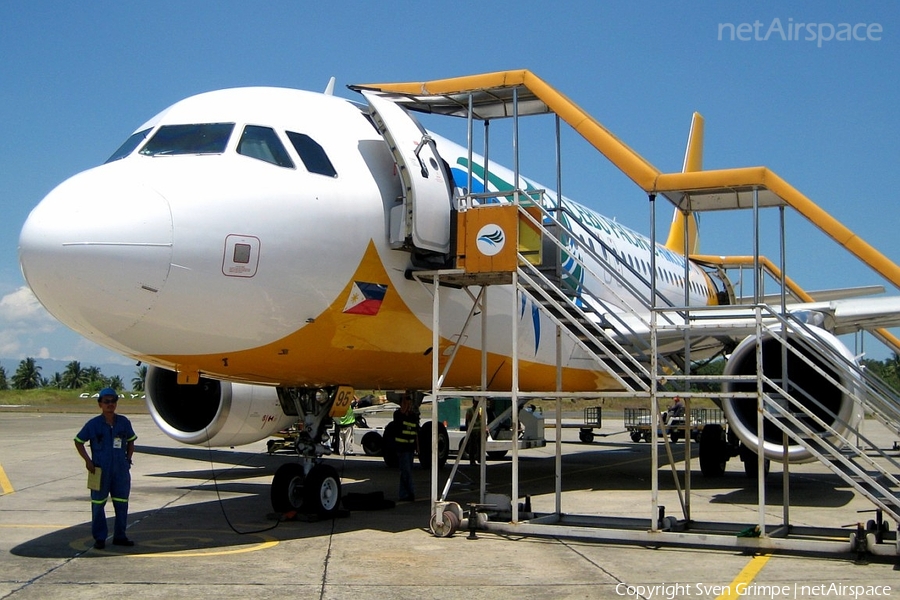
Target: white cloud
[(9, 343), (21, 308), (23, 324)]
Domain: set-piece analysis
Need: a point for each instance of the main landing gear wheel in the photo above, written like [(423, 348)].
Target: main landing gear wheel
[(389, 445), (371, 443), (712, 451), (449, 525), (425, 445), (322, 490), (751, 463), (287, 488)]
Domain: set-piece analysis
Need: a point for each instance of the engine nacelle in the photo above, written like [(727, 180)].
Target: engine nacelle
[(741, 413), (218, 413)]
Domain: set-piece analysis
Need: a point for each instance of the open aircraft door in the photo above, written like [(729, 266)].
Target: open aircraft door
[(423, 218)]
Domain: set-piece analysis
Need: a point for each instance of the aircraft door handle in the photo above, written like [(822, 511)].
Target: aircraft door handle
[(426, 139)]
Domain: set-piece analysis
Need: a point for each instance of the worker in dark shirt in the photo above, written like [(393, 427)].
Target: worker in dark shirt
[(407, 420)]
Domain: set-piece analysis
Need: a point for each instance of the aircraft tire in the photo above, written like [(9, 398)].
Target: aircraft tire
[(712, 451), (389, 446), (751, 462), (322, 490), (372, 443), (425, 445), (287, 488), (463, 451)]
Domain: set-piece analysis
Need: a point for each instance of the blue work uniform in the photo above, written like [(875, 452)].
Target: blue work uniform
[(109, 444)]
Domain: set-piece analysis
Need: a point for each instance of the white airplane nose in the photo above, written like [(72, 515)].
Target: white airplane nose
[(96, 251)]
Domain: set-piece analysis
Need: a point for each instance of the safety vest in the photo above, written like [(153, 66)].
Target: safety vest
[(348, 419), (406, 433)]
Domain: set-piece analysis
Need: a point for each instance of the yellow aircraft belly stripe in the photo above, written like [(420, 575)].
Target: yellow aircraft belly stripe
[(391, 349), (5, 486), (746, 575)]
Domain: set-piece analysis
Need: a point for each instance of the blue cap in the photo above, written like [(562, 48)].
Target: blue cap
[(108, 392)]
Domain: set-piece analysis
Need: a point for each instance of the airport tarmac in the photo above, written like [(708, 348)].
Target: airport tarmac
[(202, 522)]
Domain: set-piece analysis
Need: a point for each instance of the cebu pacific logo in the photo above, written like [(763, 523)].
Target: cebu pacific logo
[(490, 240)]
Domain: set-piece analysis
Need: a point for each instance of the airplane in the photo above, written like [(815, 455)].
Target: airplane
[(254, 246)]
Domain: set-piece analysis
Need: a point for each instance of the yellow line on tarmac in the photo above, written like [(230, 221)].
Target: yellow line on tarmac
[(183, 553), (5, 486), (39, 526), (745, 576)]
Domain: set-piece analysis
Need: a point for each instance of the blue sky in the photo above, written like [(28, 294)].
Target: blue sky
[(76, 78)]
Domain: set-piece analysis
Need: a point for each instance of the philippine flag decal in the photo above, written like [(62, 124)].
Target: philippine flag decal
[(365, 298)]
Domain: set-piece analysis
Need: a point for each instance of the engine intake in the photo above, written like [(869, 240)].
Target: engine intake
[(218, 413), (838, 409)]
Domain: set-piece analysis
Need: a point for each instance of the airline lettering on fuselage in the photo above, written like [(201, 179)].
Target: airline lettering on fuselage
[(618, 240)]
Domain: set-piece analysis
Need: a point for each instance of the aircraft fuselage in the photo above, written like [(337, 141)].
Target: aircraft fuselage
[(249, 241)]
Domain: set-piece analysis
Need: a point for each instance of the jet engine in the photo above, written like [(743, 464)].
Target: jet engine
[(819, 394), (218, 413)]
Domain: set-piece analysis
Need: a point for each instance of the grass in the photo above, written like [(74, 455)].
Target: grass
[(83, 401)]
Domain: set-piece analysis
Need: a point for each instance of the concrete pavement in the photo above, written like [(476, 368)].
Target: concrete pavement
[(202, 522)]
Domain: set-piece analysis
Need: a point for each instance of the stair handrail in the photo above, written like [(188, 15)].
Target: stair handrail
[(603, 344)]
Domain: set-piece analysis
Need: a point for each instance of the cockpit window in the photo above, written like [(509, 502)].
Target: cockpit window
[(206, 138), (133, 141), (263, 143), (312, 154)]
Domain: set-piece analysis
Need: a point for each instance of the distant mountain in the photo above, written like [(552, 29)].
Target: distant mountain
[(50, 366)]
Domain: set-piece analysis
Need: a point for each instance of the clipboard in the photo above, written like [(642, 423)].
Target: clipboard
[(93, 480)]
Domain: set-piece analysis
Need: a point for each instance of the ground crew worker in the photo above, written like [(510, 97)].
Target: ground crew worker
[(676, 410), (345, 430), (112, 446), (407, 420), (473, 448)]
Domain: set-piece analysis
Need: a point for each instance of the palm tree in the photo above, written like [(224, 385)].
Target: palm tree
[(892, 369), (74, 376), (57, 381), (137, 383), (892, 364), (93, 375), (115, 382), (28, 375)]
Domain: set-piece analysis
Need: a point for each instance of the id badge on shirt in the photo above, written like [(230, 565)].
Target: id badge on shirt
[(117, 443)]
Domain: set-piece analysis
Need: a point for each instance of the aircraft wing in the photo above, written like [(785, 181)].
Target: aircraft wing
[(847, 316), (720, 326), (820, 295)]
